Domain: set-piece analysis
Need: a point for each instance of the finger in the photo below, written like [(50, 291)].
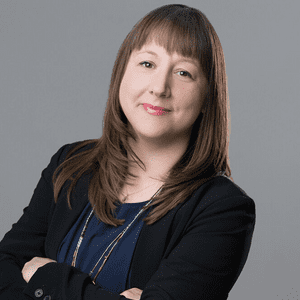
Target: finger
[(133, 294), (137, 291)]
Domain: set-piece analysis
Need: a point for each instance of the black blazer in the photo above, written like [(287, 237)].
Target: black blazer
[(196, 251)]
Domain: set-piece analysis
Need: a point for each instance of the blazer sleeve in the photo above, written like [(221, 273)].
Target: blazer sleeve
[(26, 240)]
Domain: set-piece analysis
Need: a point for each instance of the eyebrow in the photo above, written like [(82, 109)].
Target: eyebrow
[(187, 59)]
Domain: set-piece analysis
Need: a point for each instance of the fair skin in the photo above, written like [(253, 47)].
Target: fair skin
[(31, 266), (178, 85), (134, 294)]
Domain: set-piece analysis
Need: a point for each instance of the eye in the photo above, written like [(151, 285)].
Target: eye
[(145, 62), (188, 74), (148, 66)]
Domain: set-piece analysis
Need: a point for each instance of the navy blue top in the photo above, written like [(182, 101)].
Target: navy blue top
[(97, 238)]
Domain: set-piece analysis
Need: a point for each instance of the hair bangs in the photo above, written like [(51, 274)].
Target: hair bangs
[(178, 35)]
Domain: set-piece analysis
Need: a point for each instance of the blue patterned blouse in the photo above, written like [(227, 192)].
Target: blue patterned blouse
[(97, 238)]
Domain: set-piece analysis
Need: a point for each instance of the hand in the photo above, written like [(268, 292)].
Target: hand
[(134, 294), (31, 266)]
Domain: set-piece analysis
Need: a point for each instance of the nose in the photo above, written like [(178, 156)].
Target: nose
[(160, 84)]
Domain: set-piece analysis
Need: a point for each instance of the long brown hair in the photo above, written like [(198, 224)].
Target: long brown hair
[(188, 32)]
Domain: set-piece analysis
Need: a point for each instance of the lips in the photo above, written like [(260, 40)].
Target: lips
[(159, 108)]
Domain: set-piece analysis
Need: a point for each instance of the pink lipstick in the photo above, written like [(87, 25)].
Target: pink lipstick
[(155, 110)]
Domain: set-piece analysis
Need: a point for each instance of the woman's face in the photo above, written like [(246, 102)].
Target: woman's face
[(169, 81)]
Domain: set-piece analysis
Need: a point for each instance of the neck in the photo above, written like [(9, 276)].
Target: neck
[(158, 158)]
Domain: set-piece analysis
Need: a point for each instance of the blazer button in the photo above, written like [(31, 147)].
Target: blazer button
[(38, 293), (47, 298)]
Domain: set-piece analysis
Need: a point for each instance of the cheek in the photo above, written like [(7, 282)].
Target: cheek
[(190, 99), (125, 92), (129, 85), (191, 104), (124, 88)]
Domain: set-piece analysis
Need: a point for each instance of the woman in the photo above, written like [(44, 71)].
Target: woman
[(153, 213)]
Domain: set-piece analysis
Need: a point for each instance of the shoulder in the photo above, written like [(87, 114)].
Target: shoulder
[(223, 193), (74, 148), (223, 186), (219, 205)]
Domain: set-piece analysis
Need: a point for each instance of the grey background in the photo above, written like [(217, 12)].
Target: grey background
[(56, 59)]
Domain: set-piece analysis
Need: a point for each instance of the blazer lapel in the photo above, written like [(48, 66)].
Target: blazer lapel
[(63, 219)]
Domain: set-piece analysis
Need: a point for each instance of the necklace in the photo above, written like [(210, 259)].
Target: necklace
[(117, 238), (125, 198)]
